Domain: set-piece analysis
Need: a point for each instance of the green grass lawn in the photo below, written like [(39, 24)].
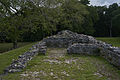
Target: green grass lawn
[(67, 67), (115, 41), (57, 65), (7, 57), (8, 46)]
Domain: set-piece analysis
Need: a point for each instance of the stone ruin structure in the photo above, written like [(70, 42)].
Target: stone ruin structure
[(21, 62), (85, 45), (75, 44), (67, 38)]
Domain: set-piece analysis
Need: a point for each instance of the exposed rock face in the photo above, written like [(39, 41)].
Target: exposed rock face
[(21, 62), (84, 49)]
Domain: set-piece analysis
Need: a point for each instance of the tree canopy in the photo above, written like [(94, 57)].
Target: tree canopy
[(32, 20), (108, 23)]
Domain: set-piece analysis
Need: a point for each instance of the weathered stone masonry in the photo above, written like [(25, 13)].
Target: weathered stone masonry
[(67, 38), (75, 44), (21, 62), (85, 45)]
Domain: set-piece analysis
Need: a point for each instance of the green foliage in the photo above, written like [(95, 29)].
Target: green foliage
[(108, 23), (33, 20), (85, 2), (101, 27), (26, 20), (116, 22), (73, 16), (78, 17), (90, 20)]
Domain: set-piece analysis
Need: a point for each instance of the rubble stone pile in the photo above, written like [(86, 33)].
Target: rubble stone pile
[(67, 38), (21, 62), (84, 49), (75, 44)]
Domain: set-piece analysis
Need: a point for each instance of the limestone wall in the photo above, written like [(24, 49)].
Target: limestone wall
[(84, 49), (83, 44), (67, 38), (21, 62), (75, 44), (111, 54), (58, 42)]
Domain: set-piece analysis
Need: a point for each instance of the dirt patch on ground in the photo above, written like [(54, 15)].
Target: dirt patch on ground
[(55, 52)]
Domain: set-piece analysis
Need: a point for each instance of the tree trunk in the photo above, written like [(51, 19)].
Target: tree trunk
[(111, 28), (15, 44)]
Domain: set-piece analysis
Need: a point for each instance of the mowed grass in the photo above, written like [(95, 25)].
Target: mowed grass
[(115, 41), (8, 46), (7, 57), (66, 67)]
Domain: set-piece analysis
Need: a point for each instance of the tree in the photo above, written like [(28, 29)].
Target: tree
[(33, 20), (116, 22), (29, 17), (109, 16), (12, 20), (85, 2), (90, 20), (12, 27), (73, 16), (107, 20), (101, 27)]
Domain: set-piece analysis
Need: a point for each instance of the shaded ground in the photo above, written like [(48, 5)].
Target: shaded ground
[(57, 65), (4, 47), (56, 53)]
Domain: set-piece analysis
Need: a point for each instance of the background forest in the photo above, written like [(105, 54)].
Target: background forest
[(32, 20)]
